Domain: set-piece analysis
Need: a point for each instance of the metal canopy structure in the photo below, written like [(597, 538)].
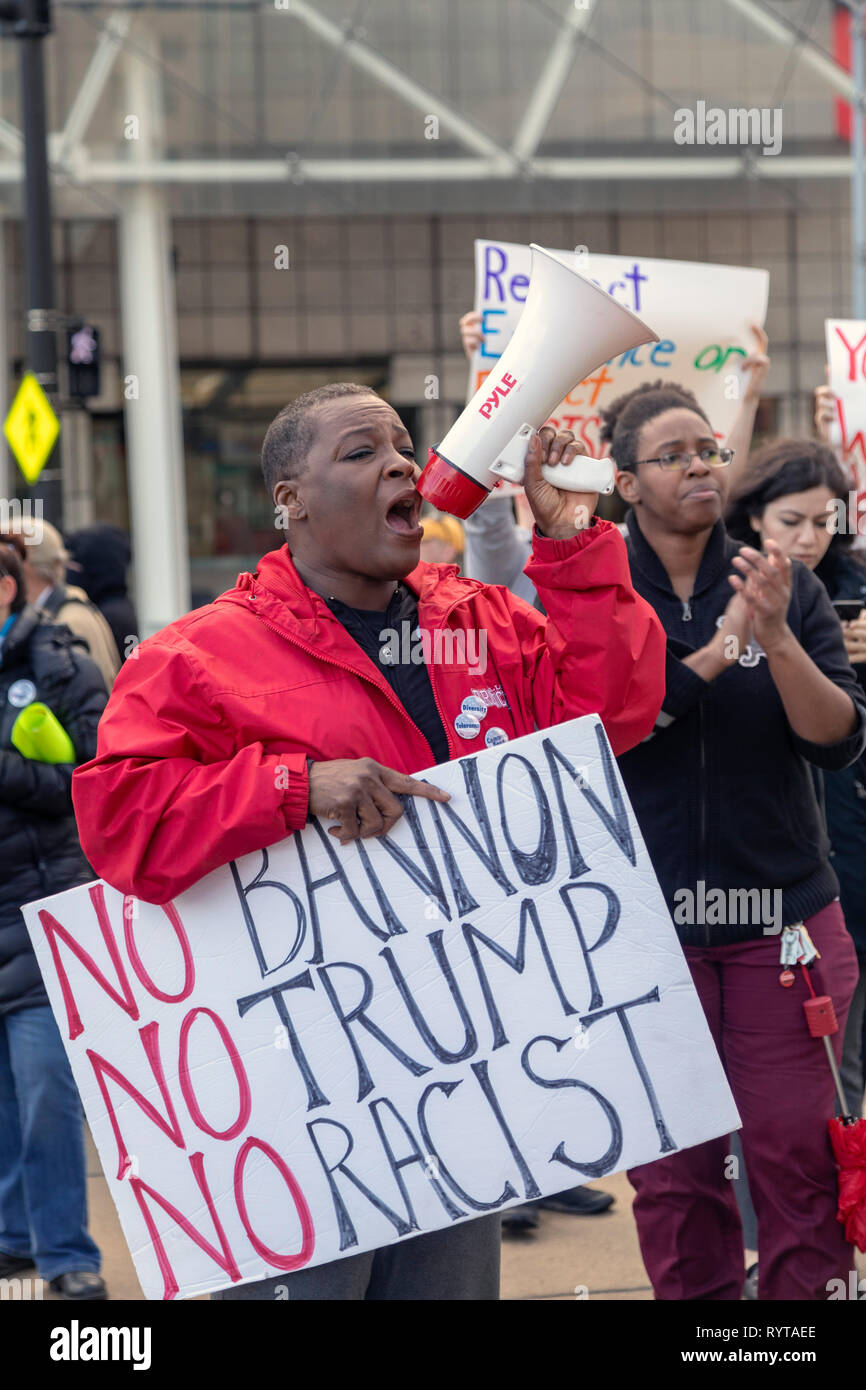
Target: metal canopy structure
[(573, 38), (163, 109)]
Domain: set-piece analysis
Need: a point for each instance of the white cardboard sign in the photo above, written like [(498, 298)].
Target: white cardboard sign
[(702, 314), (319, 1050), (846, 358)]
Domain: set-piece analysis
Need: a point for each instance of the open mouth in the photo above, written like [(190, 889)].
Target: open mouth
[(402, 517)]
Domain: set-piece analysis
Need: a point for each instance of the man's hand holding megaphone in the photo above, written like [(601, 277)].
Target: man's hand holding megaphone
[(559, 515)]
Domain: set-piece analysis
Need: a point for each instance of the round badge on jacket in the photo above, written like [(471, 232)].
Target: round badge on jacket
[(473, 705), (495, 736), (21, 693), (467, 726)]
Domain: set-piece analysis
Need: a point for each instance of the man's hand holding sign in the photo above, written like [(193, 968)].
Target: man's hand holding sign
[(361, 795)]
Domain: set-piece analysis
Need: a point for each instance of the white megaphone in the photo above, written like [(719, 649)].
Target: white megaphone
[(568, 328)]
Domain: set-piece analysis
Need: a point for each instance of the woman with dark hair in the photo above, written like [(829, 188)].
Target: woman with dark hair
[(43, 1207), (758, 688), (794, 492)]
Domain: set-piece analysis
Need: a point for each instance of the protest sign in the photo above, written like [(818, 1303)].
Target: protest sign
[(846, 357), (702, 314), (319, 1050)]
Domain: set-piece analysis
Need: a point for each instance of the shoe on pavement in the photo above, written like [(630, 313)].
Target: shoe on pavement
[(14, 1264), (79, 1284), (520, 1221), (579, 1201)]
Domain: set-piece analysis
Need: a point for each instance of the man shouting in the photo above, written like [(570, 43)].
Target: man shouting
[(321, 682)]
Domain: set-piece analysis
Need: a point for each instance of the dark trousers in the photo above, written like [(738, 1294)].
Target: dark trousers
[(688, 1225), (461, 1262)]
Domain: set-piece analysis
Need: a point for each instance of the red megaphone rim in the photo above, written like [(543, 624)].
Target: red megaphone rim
[(448, 488)]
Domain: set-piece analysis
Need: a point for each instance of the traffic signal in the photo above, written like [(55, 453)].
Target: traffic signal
[(25, 18), (82, 359)]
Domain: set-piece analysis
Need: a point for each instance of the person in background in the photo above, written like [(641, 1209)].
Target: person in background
[(99, 557), (498, 541), (44, 567), (43, 1190), (443, 539), (759, 690), (787, 495)]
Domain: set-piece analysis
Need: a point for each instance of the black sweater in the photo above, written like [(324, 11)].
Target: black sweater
[(397, 659), (722, 788)]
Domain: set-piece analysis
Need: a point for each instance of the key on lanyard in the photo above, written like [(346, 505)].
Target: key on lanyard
[(797, 946), (790, 946)]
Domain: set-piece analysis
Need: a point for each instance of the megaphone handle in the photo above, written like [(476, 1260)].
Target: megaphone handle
[(583, 474)]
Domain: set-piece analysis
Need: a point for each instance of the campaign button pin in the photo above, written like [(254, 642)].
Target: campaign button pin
[(467, 726), (21, 693), (473, 704), (494, 736)]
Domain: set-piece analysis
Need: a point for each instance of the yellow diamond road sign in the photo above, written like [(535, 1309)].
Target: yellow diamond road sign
[(31, 428)]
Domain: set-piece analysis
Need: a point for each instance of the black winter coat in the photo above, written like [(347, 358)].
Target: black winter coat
[(39, 849), (722, 788), (845, 791)]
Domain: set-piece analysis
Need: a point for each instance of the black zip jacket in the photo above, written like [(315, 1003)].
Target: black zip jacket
[(722, 788), (844, 793), (39, 849)]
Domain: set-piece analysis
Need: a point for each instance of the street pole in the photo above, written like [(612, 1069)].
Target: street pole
[(29, 21), (858, 159)]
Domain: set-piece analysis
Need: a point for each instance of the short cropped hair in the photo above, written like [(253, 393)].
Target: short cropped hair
[(624, 418), (290, 435)]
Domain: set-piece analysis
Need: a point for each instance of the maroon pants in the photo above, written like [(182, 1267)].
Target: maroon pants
[(688, 1224)]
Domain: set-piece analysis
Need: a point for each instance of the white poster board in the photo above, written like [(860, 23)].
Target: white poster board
[(319, 1050), (846, 358), (702, 314)]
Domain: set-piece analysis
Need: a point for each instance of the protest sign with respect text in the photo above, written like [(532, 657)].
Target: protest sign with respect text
[(702, 313)]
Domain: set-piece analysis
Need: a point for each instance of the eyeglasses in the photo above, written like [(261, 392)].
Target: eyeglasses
[(673, 463)]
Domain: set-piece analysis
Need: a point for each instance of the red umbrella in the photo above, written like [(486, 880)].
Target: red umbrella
[(847, 1133)]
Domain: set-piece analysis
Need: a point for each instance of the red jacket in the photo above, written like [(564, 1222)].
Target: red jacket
[(200, 722)]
